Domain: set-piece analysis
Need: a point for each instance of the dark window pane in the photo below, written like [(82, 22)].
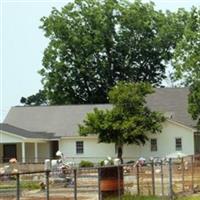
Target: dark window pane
[(154, 145), (79, 147), (178, 144)]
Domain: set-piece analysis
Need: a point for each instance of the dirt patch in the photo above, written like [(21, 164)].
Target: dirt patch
[(54, 198)]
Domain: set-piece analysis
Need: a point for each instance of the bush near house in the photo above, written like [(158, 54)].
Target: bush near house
[(85, 163)]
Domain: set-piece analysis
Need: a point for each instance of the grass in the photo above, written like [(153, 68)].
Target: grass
[(189, 198), (130, 197), (29, 185)]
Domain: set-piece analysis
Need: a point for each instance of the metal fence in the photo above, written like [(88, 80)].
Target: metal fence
[(161, 178)]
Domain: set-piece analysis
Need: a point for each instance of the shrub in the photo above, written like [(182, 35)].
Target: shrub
[(85, 163)]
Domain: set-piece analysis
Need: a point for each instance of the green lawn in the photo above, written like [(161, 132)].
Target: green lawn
[(129, 197), (30, 185), (190, 198)]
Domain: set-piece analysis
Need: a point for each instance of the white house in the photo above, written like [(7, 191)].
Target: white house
[(34, 133)]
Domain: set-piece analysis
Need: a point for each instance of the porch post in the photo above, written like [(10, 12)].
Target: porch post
[(36, 151), (23, 152)]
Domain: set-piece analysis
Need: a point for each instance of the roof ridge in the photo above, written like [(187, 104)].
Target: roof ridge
[(31, 106)]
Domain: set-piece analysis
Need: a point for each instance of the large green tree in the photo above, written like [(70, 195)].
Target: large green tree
[(129, 121), (187, 52), (187, 62), (94, 44)]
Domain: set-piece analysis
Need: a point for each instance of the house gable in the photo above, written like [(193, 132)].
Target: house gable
[(7, 137)]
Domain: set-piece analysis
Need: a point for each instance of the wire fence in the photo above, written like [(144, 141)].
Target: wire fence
[(167, 178)]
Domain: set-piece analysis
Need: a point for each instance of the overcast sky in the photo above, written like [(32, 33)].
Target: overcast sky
[(23, 43)]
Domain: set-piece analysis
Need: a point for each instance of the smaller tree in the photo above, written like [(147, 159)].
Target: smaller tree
[(129, 121)]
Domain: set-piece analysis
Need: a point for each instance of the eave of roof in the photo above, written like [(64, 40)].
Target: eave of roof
[(25, 134)]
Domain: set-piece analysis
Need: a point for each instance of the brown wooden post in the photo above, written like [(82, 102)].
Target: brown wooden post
[(17, 186), (153, 177), (183, 174), (47, 184), (75, 184), (99, 185), (170, 180), (192, 172), (161, 175), (119, 182), (138, 179)]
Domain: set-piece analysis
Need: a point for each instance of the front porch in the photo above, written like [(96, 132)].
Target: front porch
[(25, 152), (26, 146)]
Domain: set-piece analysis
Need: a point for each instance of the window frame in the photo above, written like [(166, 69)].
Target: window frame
[(152, 147), (79, 147), (180, 148)]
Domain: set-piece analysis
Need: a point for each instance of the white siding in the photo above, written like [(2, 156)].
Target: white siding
[(165, 142), (93, 150), (9, 138), (96, 152)]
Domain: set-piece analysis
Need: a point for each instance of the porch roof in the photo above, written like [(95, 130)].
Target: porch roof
[(25, 133)]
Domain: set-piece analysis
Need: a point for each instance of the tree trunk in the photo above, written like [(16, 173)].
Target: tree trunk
[(120, 152)]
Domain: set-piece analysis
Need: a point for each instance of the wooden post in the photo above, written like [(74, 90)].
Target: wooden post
[(170, 180), (183, 174), (47, 184), (192, 172), (161, 175), (99, 186), (75, 184), (18, 186), (138, 179), (119, 179), (153, 177)]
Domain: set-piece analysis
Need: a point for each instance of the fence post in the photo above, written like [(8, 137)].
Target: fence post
[(138, 180), (170, 180), (75, 184), (47, 184), (18, 186), (161, 174), (99, 186), (153, 177), (192, 168), (183, 174), (118, 178)]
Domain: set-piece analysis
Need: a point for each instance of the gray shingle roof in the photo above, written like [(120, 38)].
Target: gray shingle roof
[(172, 100), (64, 120), (24, 133)]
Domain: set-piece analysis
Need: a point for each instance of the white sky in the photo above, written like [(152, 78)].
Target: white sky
[(22, 44)]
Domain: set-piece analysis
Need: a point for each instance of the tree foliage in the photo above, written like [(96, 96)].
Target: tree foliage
[(37, 99), (187, 56), (94, 44), (129, 121), (187, 62), (194, 102)]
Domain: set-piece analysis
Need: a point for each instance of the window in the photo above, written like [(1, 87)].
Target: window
[(178, 144), (154, 145), (79, 147)]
